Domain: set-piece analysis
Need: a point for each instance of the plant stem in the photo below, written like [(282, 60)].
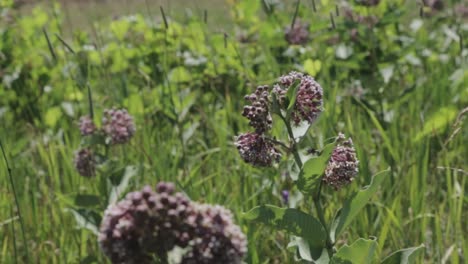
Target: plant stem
[(16, 202), (318, 207), (293, 147)]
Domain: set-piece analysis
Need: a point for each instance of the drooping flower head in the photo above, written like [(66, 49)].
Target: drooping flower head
[(298, 34), (255, 149), (218, 239), (87, 126), (258, 112), (85, 162), (343, 164), (118, 125), (309, 102), (145, 224)]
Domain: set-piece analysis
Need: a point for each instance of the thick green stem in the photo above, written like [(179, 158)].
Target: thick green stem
[(318, 207)]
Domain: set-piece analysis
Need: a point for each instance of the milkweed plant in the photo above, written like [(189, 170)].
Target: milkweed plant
[(296, 101)]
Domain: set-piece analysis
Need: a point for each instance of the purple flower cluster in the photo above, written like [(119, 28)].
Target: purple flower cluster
[(343, 164), (148, 224), (298, 34), (218, 239), (87, 126), (309, 102), (85, 163), (258, 112), (255, 149), (118, 125)]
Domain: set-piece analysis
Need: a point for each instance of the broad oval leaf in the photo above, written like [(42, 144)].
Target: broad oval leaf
[(313, 169), (362, 251), (305, 252), (291, 220), (404, 256), (353, 205)]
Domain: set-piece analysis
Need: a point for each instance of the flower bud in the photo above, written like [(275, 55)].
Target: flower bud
[(343, 164), (255, 149)]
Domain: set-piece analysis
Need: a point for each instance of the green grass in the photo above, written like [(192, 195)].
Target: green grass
[(422, 201)]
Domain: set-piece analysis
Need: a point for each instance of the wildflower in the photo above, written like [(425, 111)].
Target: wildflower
[(218, 239), (461, 10), (308, 105), (343, 164), (118, 125), (148, 224), (255, 149), (85, 163), (298, 34), (435, 5), (258, 112), (145, 223), (87, 126), (285, 196)]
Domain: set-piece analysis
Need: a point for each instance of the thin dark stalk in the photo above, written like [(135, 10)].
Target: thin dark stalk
[(16, 202), (313, 6), (49, 44), (90, 102), (332, 21), (69, 48), (164, 17), (295, 14)]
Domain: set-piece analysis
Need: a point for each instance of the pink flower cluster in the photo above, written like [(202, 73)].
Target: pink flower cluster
[(151, 223), (118, 125), (343, 164)]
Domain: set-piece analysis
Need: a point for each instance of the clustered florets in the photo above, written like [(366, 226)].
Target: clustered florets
[(85, 163), (258, 112), (87, 126), (148, 224), (118, 125), (309, 102), (298, 34), (343, 164), (255, 149), (218, 240)]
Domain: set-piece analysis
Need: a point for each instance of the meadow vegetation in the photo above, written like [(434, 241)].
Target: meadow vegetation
[(394, 76)]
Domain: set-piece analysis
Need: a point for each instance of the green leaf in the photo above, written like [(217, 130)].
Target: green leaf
[(437, 122), (52, 116), (291, 95), (353, 205), (360, 252), (300, 130), (180, 75), (313, 169), (312, 67), (305, 252), (291, 220), (87, 219), (119, 188), (87, 200), (404, 256)]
